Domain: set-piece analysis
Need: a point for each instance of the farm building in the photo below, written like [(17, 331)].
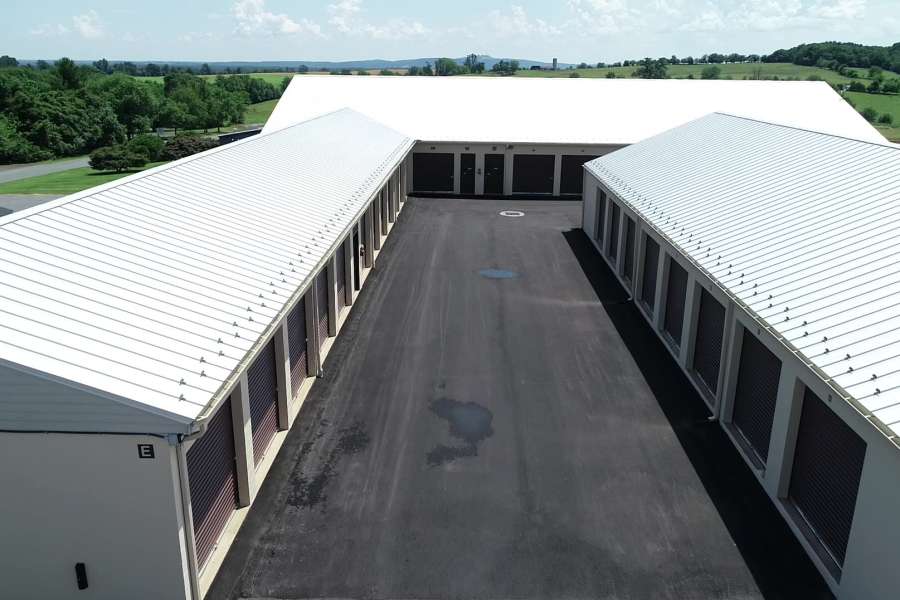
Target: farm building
[(771, 275), (160, 333), (505, 136)]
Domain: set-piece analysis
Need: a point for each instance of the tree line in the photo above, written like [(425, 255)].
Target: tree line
[(69, 109), (840, 55)]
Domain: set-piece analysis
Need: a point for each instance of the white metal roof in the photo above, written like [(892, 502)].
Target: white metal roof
[(560, 110), (153, 289), (799, 226)]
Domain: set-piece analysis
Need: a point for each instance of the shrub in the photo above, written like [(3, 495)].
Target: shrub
[(869, 114), (14, 148), (574, 75), (891, 87), (115, 158), (147, 145), (186, 145), (857, 86), (710, 72), (886, 119), (610, 75)]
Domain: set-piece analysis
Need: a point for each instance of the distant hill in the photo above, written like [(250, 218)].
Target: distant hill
[(375, 63)]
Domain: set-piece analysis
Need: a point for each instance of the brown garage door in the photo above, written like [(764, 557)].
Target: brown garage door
[(341, 276), (572, 173), (676, 292), (322, 305), (262, 383), (708, 345), (297, 345), (648, 280), (533, 173), (433, 172), (755, 394), (628, 266), (212, 481), (828, 464), (601, 213), (612, 246)]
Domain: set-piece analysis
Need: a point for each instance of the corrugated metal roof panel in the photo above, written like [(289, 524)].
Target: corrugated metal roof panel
[(797, 225), (154, 288), (536, 110)]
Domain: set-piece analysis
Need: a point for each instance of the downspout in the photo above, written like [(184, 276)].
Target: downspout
[(185, 494)]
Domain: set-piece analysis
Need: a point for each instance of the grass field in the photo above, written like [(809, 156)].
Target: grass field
[(258, 114), (65, 182), (734, 71), (273, 78), (883, 103)]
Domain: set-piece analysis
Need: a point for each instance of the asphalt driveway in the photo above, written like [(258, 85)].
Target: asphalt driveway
[(496, 421)]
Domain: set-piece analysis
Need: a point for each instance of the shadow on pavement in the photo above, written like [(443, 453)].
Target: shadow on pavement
[(776, 559)]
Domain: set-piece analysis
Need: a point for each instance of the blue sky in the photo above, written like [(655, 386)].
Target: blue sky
[(572, 30)]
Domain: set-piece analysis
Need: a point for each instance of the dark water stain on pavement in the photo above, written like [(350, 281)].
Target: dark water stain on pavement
[(308, 492), (469, 422), (497, 274)]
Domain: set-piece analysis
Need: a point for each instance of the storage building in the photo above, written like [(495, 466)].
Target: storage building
[(765, 256), (530, 136), (158, 337)]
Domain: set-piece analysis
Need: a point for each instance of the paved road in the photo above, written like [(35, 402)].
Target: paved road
[(497, 422), (15, 172), (11, 202)]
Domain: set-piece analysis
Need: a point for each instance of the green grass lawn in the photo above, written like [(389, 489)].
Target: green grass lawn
[(734, 71), (65, 182), (259, 113), (883, 103)]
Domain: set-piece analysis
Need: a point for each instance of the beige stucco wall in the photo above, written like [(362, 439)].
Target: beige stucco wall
[(70, 498)]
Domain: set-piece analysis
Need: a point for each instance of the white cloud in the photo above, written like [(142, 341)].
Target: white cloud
[(605, 16), (515, 22), (347, 18), (88, 25), (396, 29), (344, 14), (838, 9), (771, 15), (48, 30), (252, 18), (197, 36)]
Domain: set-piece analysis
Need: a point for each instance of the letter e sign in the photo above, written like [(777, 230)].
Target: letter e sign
[(146, 451)]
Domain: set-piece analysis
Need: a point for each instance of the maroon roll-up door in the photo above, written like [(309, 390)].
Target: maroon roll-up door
[(628, 267), (828, 465), (756, 393), (612, 246), (648, 281), (296, 324), (341, 276), (676, 294), (708, 344), (357, 259), (601, 213), (322, 305), (384, 211), (262, 380), (212, 480)]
